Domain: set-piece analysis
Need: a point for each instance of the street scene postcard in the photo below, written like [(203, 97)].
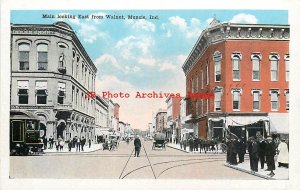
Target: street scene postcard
[(197, 94)]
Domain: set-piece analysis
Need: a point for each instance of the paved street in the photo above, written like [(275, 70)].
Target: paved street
[(160, 164)]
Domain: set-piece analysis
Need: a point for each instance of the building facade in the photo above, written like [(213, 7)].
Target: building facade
[(101, 122), (173, 113), (51, 75), (161, 121), (246, 67)]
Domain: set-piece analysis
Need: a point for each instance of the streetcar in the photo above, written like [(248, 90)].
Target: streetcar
[(24, 133)]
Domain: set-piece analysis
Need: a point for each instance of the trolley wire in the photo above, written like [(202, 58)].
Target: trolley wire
[(149, 162), (126, 164)]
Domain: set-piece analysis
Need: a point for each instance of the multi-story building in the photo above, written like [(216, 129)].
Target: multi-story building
[(246, 66), (151, 129), (51, 75), (161, 120), (173, 112), (101, 112), (116, 115)]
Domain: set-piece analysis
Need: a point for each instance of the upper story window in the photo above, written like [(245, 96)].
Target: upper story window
[(217, 94), (61, 92), (202, 79), (197, 82), (217, 59), (287, 67), (256, 93), (41, 92), (256, 58), (42, 56), (24, 56), (287, 98), (274, 59), (23, 87), (236, 99), (274, 100), (236, 60), (207, 75)]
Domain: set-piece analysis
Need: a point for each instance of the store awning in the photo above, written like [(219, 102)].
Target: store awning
[(244, 120), (99, 132), (279, 123)]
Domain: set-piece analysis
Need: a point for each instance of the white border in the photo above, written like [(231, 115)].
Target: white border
[(6, 5)]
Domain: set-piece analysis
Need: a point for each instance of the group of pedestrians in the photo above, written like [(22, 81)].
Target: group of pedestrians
[(260, 150), (76, 142), (196, 144)]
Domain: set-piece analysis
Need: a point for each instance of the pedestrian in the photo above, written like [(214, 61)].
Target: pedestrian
[(283, 156), (249, 147), (228, 153), (241, 150), (45, 142), (196, 144), (191, 144), (181, 143), (60, 143), (184, 144), (70, 144), (77, 144), (57, 145), (51, 141), (90, 143), (254, 155), (82, 142), (270, 153), (137, 146), (233, 151), (262, 151)]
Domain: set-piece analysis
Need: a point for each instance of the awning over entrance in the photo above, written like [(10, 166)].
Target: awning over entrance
[(244, 120), (279, 123), (99, 132), (187, 128)]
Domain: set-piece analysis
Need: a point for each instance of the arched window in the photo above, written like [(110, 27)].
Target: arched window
[(236, 70), (24, 56), (256, 57), (274, 59), (42, 56)]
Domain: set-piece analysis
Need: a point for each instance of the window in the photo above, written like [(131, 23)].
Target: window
[(287, 99), (256, 57), (77, 98), (197, 82), (61, 92), (236, 59), (23, 92), (217, 58), (41, 92), (24, 56), (218, 94), (274, 58), (207, 75), (274, 100), (202, 105), (42, 56), (256, 100), (287, 67), (202, 79), (82, 76), (197, 113), (207, 105), (236, 100)]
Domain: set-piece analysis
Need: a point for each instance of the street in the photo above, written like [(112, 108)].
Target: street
[(121, 164)]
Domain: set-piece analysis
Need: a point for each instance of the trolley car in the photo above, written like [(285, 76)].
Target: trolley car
[(24, 133)]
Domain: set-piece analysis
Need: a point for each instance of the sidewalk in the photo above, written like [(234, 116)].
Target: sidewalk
[(86, 149), (177, 146), (281, 173)]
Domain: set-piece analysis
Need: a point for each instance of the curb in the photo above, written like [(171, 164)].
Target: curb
[(177, 149), (71, 153), (249, 172)]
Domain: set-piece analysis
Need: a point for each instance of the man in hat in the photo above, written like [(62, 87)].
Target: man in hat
[(254, 154), (270, 153), (262, 151), (137, 146), (249, 147)]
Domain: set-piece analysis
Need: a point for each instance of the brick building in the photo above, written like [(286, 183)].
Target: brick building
[(246, 66), (51, 75), (173, 113)]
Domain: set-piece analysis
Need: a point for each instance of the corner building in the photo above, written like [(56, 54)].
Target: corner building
[(246, 66), (51, 75)]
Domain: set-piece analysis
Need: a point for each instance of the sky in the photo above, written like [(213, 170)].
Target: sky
[(143, 55)]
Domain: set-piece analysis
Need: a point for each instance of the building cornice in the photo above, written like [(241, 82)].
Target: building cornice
[(231, 31), (51, 30)]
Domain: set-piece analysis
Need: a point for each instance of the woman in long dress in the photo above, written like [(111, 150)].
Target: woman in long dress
[(283, 156)]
